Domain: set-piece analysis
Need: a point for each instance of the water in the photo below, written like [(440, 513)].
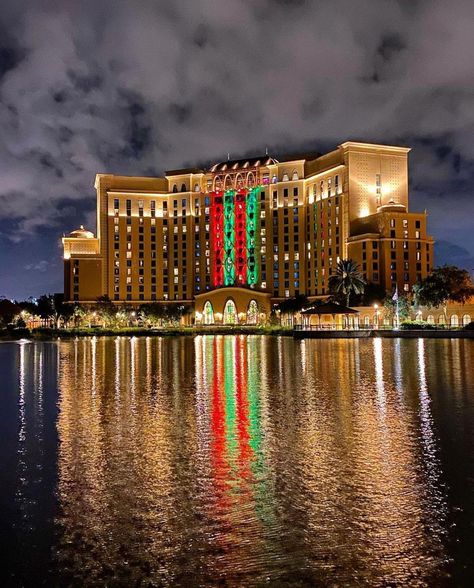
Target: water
[(240, 461)]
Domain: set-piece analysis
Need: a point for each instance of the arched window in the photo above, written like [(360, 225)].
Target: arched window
[(441, 320), (183, 187), (252, 313), (274, 179), (295, 175), (285, 178), (250, 180), (239, 181), (208, 313), (196, 187), (230, 313), (430, 319), (466, 319), (228, 183), (454, 320), (175, 189), (366, 321)]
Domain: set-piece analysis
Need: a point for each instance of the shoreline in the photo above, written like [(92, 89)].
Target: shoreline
[(45, 334)]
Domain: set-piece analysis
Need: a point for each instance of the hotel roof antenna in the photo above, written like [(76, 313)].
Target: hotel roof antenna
[(228, 157)]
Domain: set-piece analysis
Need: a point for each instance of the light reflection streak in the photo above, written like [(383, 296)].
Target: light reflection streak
[(430, 460), (249, 465), (379, 380), (117, 371), (94, 366)]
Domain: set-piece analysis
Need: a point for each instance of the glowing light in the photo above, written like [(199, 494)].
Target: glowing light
[(229, 238), (251, 232), (240, 237), (217, 236)]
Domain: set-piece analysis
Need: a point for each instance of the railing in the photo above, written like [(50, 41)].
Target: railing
[(370, 327)]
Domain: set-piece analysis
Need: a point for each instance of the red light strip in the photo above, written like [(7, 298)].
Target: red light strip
[(217, 238), (240, 237)]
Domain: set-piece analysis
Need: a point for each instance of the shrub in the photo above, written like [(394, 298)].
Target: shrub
[(469, 326), (418, 325)]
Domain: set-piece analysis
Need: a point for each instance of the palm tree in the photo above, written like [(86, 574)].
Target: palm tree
[(347, 280)]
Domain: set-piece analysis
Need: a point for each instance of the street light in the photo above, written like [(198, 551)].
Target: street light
[(376, 317)]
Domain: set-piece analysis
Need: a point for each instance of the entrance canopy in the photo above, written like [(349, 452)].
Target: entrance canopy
[(340, 316), (329, 308)]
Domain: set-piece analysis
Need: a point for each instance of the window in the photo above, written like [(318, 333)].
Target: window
[(230, 313), (208, 313), (252, 313)]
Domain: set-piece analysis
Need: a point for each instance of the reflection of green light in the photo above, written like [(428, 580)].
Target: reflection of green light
[(229, 390), (263, 494), (229, 238), (251, 232), (254, 403)]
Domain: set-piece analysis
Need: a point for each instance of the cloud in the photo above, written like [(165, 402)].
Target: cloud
[(140, 87), (40, 266), (451, 254)]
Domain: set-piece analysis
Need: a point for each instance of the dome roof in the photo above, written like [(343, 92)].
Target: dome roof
[(392, 207), (81, 233), (233, 164)]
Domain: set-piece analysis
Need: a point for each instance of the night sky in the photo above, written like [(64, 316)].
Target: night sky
[(140, 86)]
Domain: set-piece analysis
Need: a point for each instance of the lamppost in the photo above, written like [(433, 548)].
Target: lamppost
[(376, 316)]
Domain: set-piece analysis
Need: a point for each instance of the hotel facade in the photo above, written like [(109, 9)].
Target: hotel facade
[(244, 234)]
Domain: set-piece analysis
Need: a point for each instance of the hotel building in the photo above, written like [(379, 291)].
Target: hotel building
[(259, 228)]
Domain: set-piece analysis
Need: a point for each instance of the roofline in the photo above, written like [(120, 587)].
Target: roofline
[(355, 144)]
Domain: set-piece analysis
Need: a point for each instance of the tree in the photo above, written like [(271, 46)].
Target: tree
[(52, 307), (347, 280), (105, 310), (445, 283), (390, 307), (373, 293), (152, 314), (290, 306), (78, 315), (8, 311)]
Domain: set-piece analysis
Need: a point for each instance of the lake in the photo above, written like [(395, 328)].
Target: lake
[(237, 460)]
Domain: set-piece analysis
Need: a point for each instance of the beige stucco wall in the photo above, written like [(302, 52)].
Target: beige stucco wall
[(241, 297)]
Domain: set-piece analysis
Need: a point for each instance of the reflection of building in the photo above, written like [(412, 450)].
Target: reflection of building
[(273, 227)]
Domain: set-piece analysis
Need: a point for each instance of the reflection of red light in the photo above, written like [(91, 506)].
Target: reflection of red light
[(218, 418), (241, 399)]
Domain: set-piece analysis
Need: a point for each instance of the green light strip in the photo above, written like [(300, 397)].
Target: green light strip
[(229, 238), (252, 234)]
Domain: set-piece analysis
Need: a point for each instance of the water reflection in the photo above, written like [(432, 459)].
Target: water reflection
[(244, 460)]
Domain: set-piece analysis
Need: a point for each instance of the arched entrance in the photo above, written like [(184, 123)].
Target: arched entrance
[(230, 313), (208, 313), (252, 313)]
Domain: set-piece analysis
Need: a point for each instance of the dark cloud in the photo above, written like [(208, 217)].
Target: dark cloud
[(139, 87)]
